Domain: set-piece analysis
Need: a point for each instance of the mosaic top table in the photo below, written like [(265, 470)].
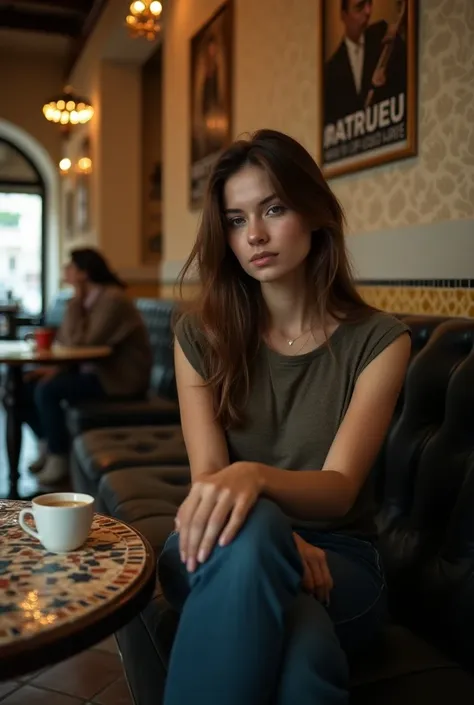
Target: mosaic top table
[(55, 605)]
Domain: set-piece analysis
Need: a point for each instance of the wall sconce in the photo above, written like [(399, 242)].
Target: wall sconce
[(65, 166), (84, 165)]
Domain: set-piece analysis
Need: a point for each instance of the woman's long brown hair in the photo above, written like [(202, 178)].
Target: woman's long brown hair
[(229, 309)]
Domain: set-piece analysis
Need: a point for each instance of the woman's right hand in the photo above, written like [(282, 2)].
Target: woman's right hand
[(316, 578)]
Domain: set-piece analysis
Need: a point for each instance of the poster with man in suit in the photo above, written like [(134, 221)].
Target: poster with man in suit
[(368, 96)]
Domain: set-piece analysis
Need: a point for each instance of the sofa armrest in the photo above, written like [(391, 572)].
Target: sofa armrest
[(112, 413)]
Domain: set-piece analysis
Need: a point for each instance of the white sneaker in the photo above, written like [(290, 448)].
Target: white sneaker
[(40, 461), (55, 469)]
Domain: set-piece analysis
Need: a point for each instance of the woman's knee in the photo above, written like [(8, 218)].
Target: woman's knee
[(265, 538), (266, 523)]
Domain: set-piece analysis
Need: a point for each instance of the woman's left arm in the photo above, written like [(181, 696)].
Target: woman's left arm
[(332, 493)]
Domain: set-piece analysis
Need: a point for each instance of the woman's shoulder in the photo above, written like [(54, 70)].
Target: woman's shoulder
[(187, 324), (364, 339), (377, 323), (188, 331)]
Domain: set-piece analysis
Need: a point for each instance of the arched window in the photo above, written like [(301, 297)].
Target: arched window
[(22, 221)]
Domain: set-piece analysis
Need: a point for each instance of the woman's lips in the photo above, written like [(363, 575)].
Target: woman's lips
[(264, 260)]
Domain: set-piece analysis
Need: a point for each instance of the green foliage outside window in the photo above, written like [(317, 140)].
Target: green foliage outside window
[(9, 220)]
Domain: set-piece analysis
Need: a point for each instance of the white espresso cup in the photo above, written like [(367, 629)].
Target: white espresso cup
[(63, 520)]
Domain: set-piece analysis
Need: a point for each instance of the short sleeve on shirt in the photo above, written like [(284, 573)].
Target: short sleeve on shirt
[(382, 330), (192, 342)]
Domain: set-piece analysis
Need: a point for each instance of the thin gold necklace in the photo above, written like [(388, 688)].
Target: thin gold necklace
[(305, 342), (303, 345), (293, 340)]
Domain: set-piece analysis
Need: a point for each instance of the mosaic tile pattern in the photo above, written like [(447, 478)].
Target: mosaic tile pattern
[(434, 301), (40, 590)]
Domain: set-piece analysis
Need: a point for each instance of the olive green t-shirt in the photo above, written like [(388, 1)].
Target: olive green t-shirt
[(297, 404)]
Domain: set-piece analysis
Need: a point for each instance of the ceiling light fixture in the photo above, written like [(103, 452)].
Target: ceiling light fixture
[(68, 109), (143, 19)]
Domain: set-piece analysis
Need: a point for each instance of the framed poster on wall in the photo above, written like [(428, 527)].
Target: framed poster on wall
[(369, 92), (211, 97)]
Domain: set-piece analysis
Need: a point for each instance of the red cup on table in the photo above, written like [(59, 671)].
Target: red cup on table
[(44, 338)]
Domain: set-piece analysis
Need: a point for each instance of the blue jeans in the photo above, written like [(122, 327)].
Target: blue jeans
[(249, 635), (42, 405)]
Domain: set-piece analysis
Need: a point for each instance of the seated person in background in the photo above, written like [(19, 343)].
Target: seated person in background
[(99, 313), (287, 382)]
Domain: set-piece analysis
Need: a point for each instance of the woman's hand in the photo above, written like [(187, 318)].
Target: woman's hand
[(316, 578), (215, 509)]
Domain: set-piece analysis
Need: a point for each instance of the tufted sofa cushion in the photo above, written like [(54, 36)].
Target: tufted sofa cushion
[(121, 412), (101, 451), (149, 502)]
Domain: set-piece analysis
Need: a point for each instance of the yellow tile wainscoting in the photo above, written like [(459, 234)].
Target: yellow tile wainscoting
[(434, 301), (426, 300)]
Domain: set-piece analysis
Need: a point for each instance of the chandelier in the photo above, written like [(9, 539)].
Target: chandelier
[(143, 20), (68, 109)]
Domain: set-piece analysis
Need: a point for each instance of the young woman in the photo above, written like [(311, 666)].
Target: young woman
[(99, 313), (287, 383)]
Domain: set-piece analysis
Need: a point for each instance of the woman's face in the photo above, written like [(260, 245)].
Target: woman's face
[(270, 240), (73, 275)]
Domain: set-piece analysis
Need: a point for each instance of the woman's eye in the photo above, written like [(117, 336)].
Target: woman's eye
[(276, 210), (236, 222)]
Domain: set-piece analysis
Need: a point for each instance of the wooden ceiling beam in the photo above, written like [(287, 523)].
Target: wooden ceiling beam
[(82, 7), (68, 25)]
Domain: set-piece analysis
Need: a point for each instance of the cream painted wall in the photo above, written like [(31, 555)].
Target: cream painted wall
[(276, 58), (119, 223), (28, 80)]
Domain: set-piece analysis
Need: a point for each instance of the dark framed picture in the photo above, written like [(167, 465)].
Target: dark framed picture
[(211, 97), (369, 83)]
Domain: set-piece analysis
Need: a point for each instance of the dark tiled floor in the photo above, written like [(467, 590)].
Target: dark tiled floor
[(94, 677)]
